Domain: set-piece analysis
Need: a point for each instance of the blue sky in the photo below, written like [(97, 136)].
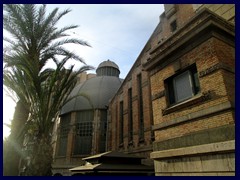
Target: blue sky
[(117, 32)]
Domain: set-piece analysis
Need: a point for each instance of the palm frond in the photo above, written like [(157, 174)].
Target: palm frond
[(36, 40)]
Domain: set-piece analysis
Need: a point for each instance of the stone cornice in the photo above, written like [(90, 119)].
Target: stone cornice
[(195, 150), (200, 28)]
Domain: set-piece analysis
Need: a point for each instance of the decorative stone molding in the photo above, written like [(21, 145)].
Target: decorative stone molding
[(195, 150), (147, 129), (215, 68), (200, 28), (205, 136), (125, 111), (158, 95), (204, 112), (170, 9), (216, 159), (209, 70), (145, 83), (134, 98), (204, 97)]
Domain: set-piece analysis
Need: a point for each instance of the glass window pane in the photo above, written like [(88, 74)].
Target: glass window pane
[(83, 136), (183, 86)]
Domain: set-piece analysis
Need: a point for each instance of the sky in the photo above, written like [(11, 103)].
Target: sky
[(117, 32)]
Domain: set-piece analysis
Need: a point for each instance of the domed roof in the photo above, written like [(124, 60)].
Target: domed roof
[(108, 63), (108, 68), (94, 93)]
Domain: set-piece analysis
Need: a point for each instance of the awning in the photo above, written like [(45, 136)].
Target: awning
[(113, 162)]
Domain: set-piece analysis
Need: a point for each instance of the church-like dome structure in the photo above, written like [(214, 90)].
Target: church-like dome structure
[(95, 93), (86, 113)]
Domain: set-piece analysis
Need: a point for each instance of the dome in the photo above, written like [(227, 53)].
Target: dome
[(94, 93), (108, 68), (108, 63)]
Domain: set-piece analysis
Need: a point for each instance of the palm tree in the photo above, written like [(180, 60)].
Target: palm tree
[(36, 40)]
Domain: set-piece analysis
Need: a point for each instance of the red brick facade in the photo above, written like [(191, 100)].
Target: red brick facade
[(137, 145), (187, 39), (219, 84), (190, 136), (205, 119)]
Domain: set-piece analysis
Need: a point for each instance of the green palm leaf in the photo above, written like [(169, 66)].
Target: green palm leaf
[(34, 41)]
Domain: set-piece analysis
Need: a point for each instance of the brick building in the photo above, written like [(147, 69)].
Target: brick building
[(192, 88), (180, 94), (176, 105), (130, 112), (81, 131)]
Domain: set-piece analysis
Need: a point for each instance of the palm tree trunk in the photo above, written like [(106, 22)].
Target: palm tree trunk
[(40, 157), (12, 155)]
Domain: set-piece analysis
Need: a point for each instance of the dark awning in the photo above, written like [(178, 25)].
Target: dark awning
[(113, 162), (112, 167)]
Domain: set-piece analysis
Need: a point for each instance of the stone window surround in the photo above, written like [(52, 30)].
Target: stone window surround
[(200, 97), (191, 69)]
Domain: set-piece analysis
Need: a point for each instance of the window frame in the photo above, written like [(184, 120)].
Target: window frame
[(121, 123), (83, 133), (140, 106), (130, 117), (170, 85)]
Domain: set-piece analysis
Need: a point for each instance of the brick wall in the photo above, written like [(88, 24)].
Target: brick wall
[(205, 56), (140, 148), (208, 54), (183, 12), (206, 119)]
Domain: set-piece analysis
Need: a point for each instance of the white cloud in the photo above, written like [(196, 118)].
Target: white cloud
[(116, 31)]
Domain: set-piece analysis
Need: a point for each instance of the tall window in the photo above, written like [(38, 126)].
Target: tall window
[(103, 131), (121, 123), (83, 133), (130, 114), (183, 86), (63, 137), (140, 99)]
